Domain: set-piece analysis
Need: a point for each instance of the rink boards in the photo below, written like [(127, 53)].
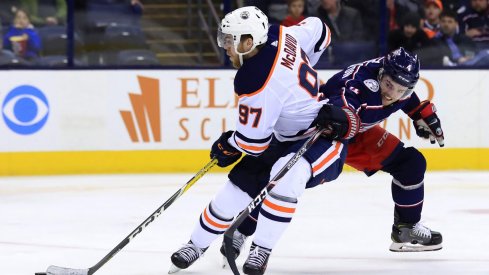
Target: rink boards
[(124, 121)]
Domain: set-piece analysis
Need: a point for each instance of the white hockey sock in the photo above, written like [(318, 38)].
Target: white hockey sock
[(275, 216), (219, 214), (279, 206)]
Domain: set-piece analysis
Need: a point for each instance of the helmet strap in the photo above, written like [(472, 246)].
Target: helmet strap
[(240, 55)]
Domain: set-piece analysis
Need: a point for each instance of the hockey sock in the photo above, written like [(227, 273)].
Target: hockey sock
[(408, 170), (275, 215), (408, 201), (279, 206), (219, 214)]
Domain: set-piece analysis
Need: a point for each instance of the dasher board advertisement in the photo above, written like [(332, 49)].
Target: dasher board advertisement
[(147, 110)]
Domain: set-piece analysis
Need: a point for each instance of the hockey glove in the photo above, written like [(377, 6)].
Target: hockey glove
[(340, 123), (224, 152), (427, 123)]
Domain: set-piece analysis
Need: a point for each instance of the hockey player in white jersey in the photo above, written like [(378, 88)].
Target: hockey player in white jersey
[(278, 103)]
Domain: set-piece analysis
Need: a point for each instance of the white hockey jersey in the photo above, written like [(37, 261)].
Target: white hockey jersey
[(278, 88)]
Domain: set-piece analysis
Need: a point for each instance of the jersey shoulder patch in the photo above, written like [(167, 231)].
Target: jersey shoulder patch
[(372, 85)]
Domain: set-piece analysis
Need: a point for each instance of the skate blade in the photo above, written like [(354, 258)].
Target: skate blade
[(173, 269), (409, 247)]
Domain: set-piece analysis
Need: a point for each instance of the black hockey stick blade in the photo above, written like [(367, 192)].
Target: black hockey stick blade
[(228, 243), (228, 235), (57, 270)]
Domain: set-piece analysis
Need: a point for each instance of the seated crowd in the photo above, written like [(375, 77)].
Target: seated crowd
[(34, 32), (442, 32)]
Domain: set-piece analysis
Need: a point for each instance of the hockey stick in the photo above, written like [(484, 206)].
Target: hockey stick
[(56, 270), (228, 235)]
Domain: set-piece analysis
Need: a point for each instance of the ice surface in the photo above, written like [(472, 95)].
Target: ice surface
[(341, 227)]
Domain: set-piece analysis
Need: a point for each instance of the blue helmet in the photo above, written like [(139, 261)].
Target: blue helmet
[(403, 67)]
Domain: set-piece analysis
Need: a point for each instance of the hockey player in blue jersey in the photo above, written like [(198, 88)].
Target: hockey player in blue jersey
[(375, 89), (278, 103)]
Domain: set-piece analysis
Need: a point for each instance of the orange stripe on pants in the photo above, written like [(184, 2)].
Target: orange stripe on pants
[(328, 158)]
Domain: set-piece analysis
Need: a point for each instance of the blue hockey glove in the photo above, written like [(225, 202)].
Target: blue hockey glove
[(224, 152), (340, 123), (427, 123)]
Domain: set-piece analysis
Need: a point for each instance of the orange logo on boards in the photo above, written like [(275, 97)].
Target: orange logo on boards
[(145, 108)]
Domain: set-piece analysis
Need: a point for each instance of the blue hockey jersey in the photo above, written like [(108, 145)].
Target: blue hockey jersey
[(358, 87)]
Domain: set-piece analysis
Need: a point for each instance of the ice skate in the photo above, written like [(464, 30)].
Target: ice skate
[(256, 264), (238, 244), (414, 238), (185, 257)]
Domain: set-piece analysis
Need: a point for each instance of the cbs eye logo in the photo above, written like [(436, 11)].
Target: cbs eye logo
[(25, 110)]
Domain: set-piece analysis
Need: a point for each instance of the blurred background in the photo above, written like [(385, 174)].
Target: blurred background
[(169, 33)]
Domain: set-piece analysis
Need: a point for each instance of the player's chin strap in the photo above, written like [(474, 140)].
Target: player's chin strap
[(242, 54)]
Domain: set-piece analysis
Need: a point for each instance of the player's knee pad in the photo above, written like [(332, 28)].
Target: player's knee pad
[(229, 201), (408, 167), (293, 183)]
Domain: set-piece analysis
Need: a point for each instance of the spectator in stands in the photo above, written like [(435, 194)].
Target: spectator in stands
[(5, 53), (344, 22), (451, 48), (431, 22), (475, 23), (45, 12), (312, 7), (407, 6), (137, 7), (464, 6), (391, 15), (7, 9), (370, 12), (396, 9), (22, 38), (453, 5), (6, 57), (296, 10), (276, 10), (409, 35)]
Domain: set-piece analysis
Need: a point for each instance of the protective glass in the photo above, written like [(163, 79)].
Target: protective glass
[(224, 40)]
